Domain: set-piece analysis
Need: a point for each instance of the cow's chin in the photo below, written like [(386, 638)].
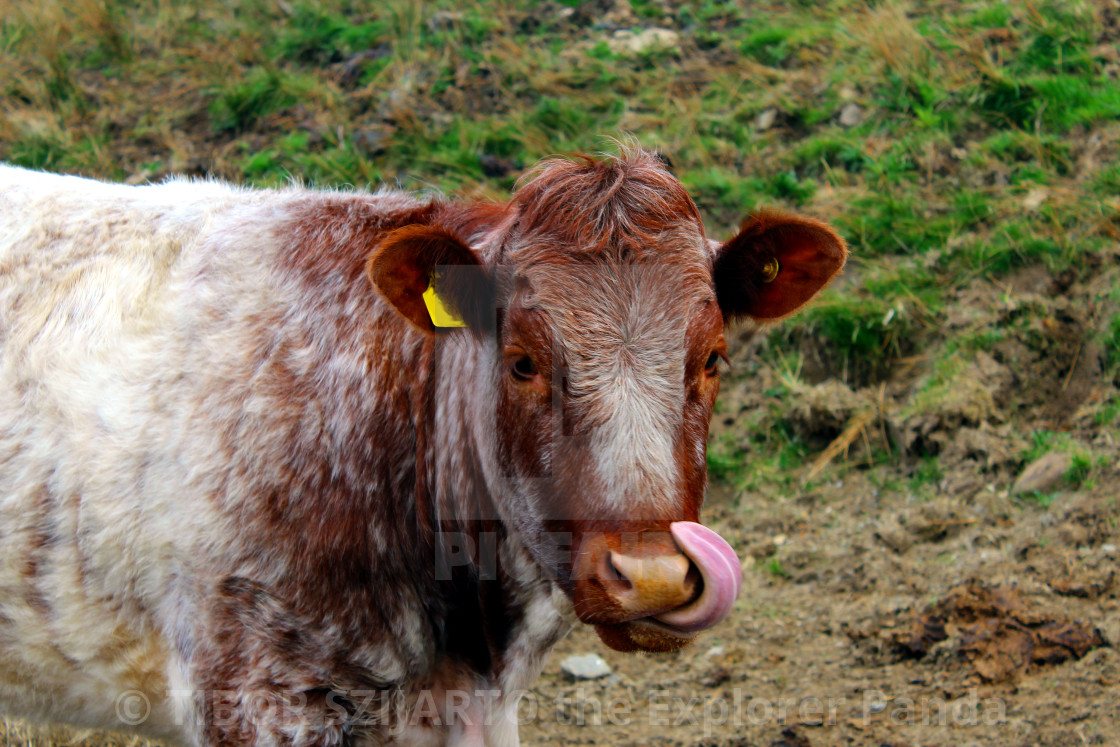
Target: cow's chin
[(646, 635)]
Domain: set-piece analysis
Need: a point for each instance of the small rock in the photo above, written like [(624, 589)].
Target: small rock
[(892, 534), (1043, 475), (715, 676), (715, 651), (144, 176), (372, 142), (645, 40), (1035, 198), (1108, 549), (1110, 628), (585, 667), (766, 119), (761, 549), (851, 115), (442, 20)]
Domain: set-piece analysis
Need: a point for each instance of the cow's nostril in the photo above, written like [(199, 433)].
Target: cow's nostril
[(609, 572), (694, 581)]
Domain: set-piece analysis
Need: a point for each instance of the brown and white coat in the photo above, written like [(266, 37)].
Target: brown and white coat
[(249, 495)]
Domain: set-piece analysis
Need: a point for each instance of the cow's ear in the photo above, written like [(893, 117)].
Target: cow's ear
[(432, 278), (774, 265)]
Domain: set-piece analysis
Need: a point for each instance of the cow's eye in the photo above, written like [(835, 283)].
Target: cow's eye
[(523, 368), (711, 367)]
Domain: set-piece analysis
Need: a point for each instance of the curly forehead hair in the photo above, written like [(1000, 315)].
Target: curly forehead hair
[(621, 201)]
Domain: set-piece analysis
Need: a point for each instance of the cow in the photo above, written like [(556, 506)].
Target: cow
[(298, 467)]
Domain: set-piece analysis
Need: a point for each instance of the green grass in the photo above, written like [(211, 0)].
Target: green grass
[(1038, 499), (967, 111), (927, 472), (726, 459), (775, 568), (1041, 442), (1110, 341), (238, 105)]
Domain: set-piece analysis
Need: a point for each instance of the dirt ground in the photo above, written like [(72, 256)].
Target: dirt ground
[(821, 656)]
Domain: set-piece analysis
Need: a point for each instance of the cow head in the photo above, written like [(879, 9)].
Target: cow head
[(599, 310)]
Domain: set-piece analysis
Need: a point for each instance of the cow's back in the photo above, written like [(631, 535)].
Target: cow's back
[(91, 277), (200, 395)]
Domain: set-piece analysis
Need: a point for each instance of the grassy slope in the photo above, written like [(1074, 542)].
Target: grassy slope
[(955, 144)]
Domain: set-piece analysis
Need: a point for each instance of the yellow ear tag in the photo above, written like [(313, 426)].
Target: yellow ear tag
[(439, 313), (770, 270)]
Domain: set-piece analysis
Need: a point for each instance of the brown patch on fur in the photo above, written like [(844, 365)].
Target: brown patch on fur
[(267, 670), (40, 540), (473, 221), (704, 337), (349, 514), (336, 236), (626, 203)]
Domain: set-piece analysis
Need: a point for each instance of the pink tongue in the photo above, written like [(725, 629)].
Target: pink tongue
[(719, 567)]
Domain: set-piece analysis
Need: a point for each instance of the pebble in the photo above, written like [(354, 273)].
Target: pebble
[(625, 40), (585, 667), (1035, 198), (1044, 474), (851, 115), (766, 119), (894, 535), (442, 20), (372, 142)]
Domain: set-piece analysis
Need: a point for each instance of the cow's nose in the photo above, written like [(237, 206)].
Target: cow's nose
[(651, 584)]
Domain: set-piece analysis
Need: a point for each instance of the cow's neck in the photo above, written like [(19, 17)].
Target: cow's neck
[(497, 600)]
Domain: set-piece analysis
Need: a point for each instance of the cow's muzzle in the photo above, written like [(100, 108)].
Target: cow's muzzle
[(656, 593)]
